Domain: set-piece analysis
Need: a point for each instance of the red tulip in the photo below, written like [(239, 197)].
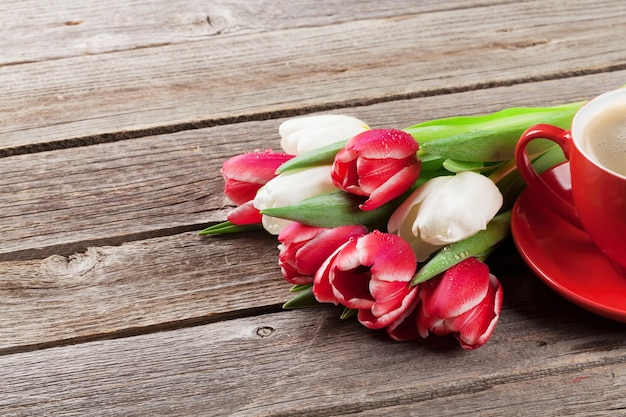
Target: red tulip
[(380, 164), (464, 301), (370, 274), (303, 249), (245, 174)]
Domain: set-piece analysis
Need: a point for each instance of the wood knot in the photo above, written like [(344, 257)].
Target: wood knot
[(264, 331), (74, 266)]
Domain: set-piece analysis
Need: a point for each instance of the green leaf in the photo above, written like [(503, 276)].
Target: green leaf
[(347, 313), (482, 256), (491, 137), (460, 166), (302, 299), (550, 159), (300, 287), (510, 182), (431, 162), (428, 175), (476, 245), (333, 209), (228, 227), (320, 156)]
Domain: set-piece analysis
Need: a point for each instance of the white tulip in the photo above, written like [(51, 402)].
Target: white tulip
[(303, 134), (445, 210), (289, 188)]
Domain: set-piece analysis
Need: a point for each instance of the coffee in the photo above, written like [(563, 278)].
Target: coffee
[(604, 138)]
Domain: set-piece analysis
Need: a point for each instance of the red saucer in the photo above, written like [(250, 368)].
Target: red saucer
[(563, 256)]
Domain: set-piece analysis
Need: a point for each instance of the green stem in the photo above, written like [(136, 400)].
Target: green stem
[(476, 245)]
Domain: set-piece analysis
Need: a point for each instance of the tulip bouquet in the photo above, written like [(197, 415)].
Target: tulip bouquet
[(393, 225)]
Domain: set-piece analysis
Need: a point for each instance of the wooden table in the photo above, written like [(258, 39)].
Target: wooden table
[(114, 120)]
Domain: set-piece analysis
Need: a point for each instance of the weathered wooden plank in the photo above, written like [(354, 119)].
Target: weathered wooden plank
[(182, 280), (116, 191), (161, 282), (93, 27), (215, 80), (310, 363), (144, 286), (582, 392), (175, 325)]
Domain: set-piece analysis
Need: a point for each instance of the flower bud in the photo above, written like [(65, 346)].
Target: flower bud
[(464, 301), (303, 134), (380, 164), (444, 210), (370, 274), (246, 173), (303, 249)]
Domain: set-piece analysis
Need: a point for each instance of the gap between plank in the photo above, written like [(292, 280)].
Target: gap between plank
[(145, 330), (67, 249), (206, 123)]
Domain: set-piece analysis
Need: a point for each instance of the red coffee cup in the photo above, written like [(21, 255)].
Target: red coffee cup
[(598, 185)]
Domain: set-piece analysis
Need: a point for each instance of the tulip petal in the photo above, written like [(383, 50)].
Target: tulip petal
[(294, 186), (392, 188), (383, 144), (289, 188), (400, 223), (444, 216), (388, 295), (244, 214), (406, 213), (373, 173), (309, 256), (371, 274), (384, 313), (256, 167), (458, 290), (437, 313), (438, 213), (350, 279), (244, 174), (303, 249), (389, 256), (322, 289), (298, 232), (474, 328), (240, 192), (345, 174), (302, 134), (423, 324), (434, 325), (404, 327)]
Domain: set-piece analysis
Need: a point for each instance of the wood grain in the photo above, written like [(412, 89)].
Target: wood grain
[(154, 283), (216, 80), (115, 118), (310, 363), (66, 200), (554, 395), (93, 28)]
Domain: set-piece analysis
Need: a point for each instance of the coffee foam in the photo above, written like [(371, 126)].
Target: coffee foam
[(604, 138)]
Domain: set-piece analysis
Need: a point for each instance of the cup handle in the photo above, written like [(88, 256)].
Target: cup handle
[(534, 182)]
